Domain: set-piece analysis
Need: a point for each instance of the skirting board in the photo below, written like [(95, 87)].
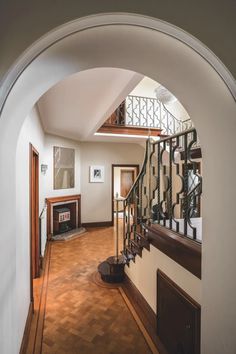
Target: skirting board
[(144, 311), (97, 224), (25, 338), (31, 326)]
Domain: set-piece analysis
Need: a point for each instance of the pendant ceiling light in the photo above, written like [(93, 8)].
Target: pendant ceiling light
[(164, 95)]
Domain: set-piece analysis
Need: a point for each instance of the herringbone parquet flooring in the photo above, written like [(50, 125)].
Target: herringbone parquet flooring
[(82, 317)]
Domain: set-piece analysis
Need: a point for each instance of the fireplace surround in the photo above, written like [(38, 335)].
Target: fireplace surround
[(72, 203)]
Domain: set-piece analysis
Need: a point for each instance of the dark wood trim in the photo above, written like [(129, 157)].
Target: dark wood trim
[(25, 339), (186, 298), (195, 154), (144, 312), (52, 200), (34, 216), (28, 339), (97, 224), (63, 198), (34, 344), (112, 183), (118, 129), (182, 250)]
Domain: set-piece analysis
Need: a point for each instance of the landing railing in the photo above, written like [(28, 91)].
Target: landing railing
[(151, 113), (167, 191), (146, 114)]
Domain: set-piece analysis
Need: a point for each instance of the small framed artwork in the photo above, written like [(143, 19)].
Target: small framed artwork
[(96, 174)]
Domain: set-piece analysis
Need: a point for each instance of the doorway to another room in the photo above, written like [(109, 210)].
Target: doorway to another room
[(123, 177)]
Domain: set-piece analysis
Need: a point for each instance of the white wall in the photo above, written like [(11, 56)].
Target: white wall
[(96, 197), (144, 275), (31, 132)]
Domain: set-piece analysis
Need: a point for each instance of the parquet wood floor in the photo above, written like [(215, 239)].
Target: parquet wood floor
[(82, 317)]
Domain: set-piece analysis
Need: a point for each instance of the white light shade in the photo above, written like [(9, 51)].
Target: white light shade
[(164, 95)]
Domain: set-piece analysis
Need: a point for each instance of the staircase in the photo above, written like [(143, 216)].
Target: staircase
[(163, 194)]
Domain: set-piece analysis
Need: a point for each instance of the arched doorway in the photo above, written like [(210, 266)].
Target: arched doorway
[(142, 46)]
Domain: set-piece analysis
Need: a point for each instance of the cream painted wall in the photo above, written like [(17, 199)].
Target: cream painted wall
[(96, 197), (144, 276), (31, 132)]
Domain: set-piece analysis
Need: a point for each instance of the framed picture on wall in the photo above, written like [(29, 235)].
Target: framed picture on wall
[(64, 167), (96, 174)]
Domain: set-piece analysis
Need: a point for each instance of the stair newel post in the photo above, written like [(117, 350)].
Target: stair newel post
[(185, 183), (117, 231), (148, 171), (170, 184), (159, 182), (112, 269), (128, 224), (135, 212), (124, 223)]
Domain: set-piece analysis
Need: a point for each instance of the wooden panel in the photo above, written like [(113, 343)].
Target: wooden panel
[(182, 250), (194, 154), (178, 320), (116, 129), (78, 315), (126, 181), (144, 311)]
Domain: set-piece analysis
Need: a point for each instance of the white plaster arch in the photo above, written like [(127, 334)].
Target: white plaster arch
[(205, 88)]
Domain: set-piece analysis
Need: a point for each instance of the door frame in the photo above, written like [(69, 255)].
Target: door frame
[(34, 217), (112, 183)]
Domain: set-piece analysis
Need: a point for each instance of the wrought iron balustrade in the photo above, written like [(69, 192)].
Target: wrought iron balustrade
[(167, 191), (151, 113), (145, 114)]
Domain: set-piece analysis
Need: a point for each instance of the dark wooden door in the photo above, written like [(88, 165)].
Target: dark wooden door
[(178, 318), (126, 181), (34, 213)]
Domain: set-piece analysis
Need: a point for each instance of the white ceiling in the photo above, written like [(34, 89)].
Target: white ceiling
[(77, 106)]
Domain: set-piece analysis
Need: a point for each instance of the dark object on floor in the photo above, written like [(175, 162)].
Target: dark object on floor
[(112, 270), (97, 279)]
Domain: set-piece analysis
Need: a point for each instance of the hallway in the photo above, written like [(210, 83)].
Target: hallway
[(82, 316)]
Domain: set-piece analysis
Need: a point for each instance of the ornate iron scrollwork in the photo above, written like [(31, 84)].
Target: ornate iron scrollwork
[(167, 190)]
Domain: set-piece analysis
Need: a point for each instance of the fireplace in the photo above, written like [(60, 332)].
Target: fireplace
[(63, 214), (61, 220)]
